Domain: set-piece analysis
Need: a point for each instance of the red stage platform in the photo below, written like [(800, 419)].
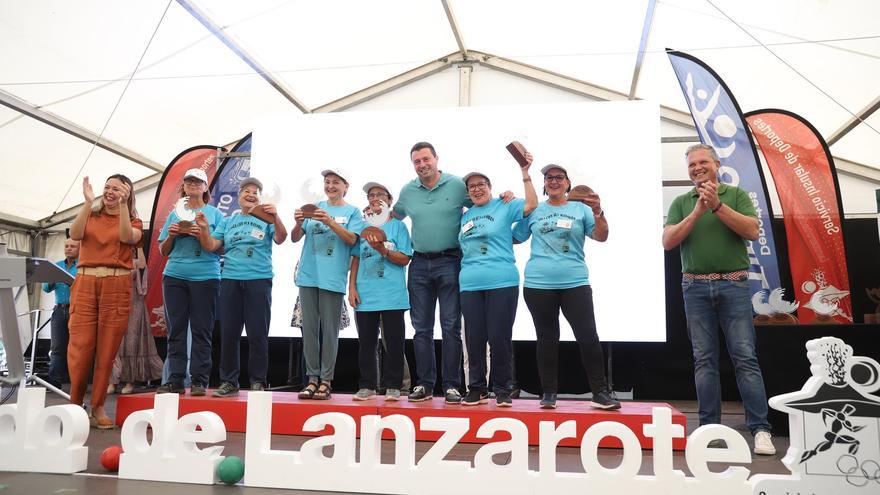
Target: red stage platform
[(289, 413)]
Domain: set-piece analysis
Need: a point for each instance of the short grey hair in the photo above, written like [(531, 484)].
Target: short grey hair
[(702, 146)]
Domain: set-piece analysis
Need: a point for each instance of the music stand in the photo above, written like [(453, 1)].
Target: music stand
[(16, 271)]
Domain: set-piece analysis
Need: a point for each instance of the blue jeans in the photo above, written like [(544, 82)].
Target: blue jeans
[(190, 307), (166, 367), (431, 280), (58, 348), (710, 304)]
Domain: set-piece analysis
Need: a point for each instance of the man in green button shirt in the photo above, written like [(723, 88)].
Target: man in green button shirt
[(434, 202), (710, 223)]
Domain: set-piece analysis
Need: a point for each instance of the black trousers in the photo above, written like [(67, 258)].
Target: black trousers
[(488, 318), (368, 338), (248, 303), (577, 307)]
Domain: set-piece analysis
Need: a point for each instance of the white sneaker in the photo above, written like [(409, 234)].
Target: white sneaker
[(764, 444)]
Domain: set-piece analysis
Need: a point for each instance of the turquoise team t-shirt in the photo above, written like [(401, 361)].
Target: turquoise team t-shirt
[(486, 240), (381, 284), (558, 232), (188, 261), (247, 242), (325, 257)]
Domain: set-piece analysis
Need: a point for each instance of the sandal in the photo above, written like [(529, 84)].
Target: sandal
[(309, 391), (323, 392)]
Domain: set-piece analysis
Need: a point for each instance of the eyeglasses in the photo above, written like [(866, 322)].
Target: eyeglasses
[(477, 185), (376, 195), (557, 178)]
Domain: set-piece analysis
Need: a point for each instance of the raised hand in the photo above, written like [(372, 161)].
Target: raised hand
[(88, 192), (528, 164), (594, 202), (124, 194)]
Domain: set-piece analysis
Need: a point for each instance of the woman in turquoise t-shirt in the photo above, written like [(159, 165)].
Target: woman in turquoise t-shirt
[(556, 277), (329, 234), (246, 284), (190, 284), (377, 291), (489, 283)]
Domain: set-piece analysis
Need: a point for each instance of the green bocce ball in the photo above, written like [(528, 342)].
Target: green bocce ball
[(231, 470)]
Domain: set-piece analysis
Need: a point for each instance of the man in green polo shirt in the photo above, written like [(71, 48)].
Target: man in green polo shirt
[(710, 224), (434, 202)]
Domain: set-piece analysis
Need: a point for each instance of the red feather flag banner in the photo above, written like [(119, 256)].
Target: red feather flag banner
[(806, 183), (168, 192)]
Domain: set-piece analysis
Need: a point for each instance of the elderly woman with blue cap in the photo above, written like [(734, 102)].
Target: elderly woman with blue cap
[(489, 283), (556, 277), (377, 291), (246, 285), (330, 230)]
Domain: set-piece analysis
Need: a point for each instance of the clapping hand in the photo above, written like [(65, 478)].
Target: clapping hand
[(88, 193)]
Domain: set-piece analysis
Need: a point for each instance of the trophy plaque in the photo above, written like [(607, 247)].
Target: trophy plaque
[(186, 216), (308, 210), (580, 193), (259, 212), (376, 232), (518, 151)]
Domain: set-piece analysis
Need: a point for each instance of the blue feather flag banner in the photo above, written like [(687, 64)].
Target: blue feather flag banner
[(720, 124), (233, 170)]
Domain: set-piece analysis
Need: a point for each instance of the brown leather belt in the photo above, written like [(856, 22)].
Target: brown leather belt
[(103, 271)]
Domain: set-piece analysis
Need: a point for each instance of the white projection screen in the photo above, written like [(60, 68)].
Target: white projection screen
[(614, 147)]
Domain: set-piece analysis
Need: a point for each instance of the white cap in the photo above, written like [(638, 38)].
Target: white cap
[(547, 168), (335, 171), (468, 176), (196, 173), (370, 185)]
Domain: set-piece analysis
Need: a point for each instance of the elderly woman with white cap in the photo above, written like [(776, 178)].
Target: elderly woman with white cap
[(377, 291), (489, 283), (246, 285), (190, 284), (556, 277), (330, 231)]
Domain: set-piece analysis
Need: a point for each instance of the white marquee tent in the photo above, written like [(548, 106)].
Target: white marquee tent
[(141, 81)]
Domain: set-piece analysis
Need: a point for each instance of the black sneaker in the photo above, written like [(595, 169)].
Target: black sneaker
[(503, 400), (453, 396), (548, 400), (475, 397), (603, 400), (419, 394), (197, 390), (171, 388), (257, 387), (226, 389)]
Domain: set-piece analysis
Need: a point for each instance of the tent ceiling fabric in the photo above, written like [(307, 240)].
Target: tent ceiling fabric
[(73, 59)]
